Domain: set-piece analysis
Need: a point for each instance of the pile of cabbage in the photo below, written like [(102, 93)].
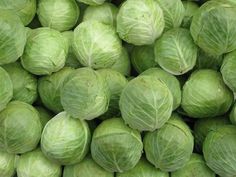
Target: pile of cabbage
[(125, 88)]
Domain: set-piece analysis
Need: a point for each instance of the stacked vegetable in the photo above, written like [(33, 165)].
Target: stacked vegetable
[(132, 88)]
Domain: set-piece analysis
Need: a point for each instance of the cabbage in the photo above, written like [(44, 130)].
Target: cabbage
[(140, 22), (67, 144)]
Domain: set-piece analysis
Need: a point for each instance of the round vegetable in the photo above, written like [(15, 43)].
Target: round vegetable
[(142, 58), (49, 88), (116, 83), (143, 169), (25, 9), (105, 13), (213, 28), (71, 59), (228, 70), (34, 163), (85, 94), (115, 146), (170, 147), (140, 22), (86, 168), (7, 164), (206, 95), (219, 150), (196, 167), (96, 44), (123, 65), (44, 115), (13, 37), (146, 103), (20, 128), (60, 15), (65, 140), (52, 54), (173, 11), (176, 52), (92, 2), (203, 126), (24, 83), (171, 82), (190, 9), (6, 89)]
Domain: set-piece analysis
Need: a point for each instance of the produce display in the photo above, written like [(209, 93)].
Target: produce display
[(117, 88)]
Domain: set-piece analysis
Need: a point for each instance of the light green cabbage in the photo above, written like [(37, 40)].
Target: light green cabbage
[(52, 54), (115, 146), (34, 163), (146, 103), (206, 95), (213, 28), (171, 82), (140, 22), (86, 168), (7, 164), (60, 15), (105, 13), (85, 94), (96, 44), (20, 128), (170, 147), (143, 169), (142, 58), (176, 52), (196, 167), (49, 88), (219, 151), (13, 37), (25, 9), (6, 89), (65, 139), (24, 83)]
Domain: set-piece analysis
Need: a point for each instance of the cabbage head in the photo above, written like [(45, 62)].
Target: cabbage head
[(140, 22), (20, 128), (7, 164), (176, 52), (115, 146), (206, 95), (170, 147), (105, 13), (24, 9), (171, 82), (12, 35), (6, 88), (116, 83), (86, 168), (143, 169), (173, 11), (49, 88), (61, 15), (203, 126), (142, 58), (219, 151), (196, 167), (228, 70), (85, 94), (67, 144), (213, 28), (146, 103), (52, 54), (24, 83), (34, 163)]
